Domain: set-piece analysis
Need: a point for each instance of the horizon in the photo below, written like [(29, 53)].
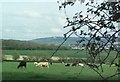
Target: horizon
[(26, 20), (39, 38)]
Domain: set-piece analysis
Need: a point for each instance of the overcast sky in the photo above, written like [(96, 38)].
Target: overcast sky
[(26, 20)]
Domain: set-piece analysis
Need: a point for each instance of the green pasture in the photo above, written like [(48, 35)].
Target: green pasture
[(57, 71), (59, 53)]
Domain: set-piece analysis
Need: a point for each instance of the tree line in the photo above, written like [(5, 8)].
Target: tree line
[(27, 45)]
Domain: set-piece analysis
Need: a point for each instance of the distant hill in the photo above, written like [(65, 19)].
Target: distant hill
[(28, 45), (56, 40), (59, 40), (17, 44), (44, 43)]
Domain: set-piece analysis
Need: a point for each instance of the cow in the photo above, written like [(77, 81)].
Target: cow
[(80, 64), (35, 63), (42, 64), (22, 64), (67, 64), (75, 63), (51, 63)]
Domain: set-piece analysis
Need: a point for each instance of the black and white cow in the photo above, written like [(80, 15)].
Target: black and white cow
[(67, 64), (22, 64)]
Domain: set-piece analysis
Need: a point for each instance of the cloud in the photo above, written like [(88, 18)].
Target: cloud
[(27, 0), (56, 30), (29, 31), (61, 20), (8, 30), (29, 13)]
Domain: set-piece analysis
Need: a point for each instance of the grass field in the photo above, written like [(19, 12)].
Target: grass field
[(57, 71), (60, 53), (67, 53)]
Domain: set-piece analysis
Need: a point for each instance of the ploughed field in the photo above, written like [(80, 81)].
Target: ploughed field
[(56, 71)]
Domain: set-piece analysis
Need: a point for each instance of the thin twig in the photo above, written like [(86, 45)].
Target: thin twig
[(60, 45)]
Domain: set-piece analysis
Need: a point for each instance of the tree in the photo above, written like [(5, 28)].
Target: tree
[(100, 25)]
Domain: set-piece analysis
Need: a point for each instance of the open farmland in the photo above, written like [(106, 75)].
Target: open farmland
[(57, 71), (60, 53), (66, 53)]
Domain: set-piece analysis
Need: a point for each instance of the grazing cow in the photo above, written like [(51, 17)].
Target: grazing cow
[(42, 64), (50, 63), (67, 65), (35, 63), (80, 64), (75, 64), (22, 64), (92, 65)]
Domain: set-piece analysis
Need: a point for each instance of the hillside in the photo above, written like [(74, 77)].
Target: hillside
[(28, 45), (59, 40), (56, 40), (17, 44), (43, 43)]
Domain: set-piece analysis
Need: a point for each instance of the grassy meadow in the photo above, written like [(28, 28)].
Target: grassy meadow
[(67, 53), (60, 53), (57, 71)]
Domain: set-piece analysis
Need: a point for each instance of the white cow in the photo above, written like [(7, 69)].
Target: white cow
[(80, 64), (35, 63), (42, 64)]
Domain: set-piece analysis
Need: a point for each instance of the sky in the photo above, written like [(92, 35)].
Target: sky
[(26, 20), (31, 19)]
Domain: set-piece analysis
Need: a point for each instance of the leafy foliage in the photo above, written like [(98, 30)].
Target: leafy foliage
[(100, 23)]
